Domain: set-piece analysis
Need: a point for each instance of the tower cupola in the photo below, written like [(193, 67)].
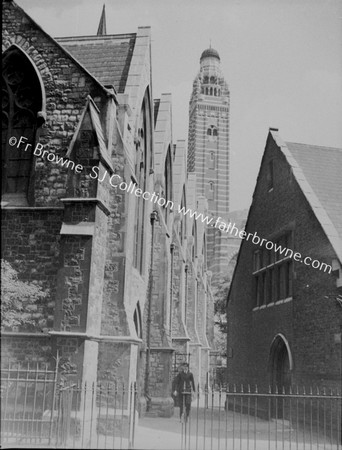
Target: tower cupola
[(210, 53)]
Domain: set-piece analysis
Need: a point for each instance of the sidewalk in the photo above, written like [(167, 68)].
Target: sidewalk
[(166, 434)]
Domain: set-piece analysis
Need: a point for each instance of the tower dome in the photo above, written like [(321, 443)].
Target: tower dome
[(210, 53)]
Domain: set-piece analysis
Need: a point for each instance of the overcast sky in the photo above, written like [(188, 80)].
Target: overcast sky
[(282, 60)]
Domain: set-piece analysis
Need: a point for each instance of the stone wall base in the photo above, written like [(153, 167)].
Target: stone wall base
[(160, 407)]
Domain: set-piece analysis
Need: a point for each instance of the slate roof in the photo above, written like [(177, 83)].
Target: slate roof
[(107, 58), (322, 167), (318, 171)]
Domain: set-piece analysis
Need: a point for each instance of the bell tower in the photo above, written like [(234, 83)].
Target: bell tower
[(208, 153)]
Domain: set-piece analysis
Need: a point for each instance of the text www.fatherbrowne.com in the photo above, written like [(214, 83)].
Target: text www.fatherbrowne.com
[(116, 181)]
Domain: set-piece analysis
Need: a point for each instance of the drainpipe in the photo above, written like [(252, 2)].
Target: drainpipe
[(153, 218), (172, 247), (186, 268)]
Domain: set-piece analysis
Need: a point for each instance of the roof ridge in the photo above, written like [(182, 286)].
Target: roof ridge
[(315, 146), (96, 37)]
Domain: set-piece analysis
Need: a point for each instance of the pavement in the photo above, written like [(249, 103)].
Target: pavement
[(207, 431)]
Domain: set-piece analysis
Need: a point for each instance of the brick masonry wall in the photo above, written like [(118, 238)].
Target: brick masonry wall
[(309, 322)]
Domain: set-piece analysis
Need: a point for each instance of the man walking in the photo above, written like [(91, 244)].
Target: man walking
[(185, 386)]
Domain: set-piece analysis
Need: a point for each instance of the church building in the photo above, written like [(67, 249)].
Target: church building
[(91, 185)]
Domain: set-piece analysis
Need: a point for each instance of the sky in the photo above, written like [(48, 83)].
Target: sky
[(282, 60)]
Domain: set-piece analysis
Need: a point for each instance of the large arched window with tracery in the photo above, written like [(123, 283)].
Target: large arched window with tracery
[(21, 102)]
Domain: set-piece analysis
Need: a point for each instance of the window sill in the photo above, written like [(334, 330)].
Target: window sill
[(273, 264), (270, 305)]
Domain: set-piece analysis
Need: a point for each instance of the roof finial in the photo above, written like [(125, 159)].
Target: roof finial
[(210, 43), (102, 31)]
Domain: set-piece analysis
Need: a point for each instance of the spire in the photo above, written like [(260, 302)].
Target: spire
[(101, 31)]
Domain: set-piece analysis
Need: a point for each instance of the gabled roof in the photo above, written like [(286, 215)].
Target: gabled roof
[(93, 111), (58, 45), (318, 171), (107, 58)]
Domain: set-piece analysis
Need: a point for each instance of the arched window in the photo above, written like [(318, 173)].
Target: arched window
[(21, 100), (182, 229), (207, 91), (212, 160), (215, 92), (211, 91), (137, 321), (212, 131), (142, 164), (168, 184)]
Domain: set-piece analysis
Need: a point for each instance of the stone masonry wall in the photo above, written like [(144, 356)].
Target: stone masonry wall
[(66, 87)]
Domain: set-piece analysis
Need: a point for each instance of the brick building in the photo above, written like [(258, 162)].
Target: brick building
[(284, 313), (126, 273)]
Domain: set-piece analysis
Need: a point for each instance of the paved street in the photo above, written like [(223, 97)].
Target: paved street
[(242, 433)]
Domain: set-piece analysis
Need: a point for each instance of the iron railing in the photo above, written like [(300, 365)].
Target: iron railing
[(38, 410), (239, 418)]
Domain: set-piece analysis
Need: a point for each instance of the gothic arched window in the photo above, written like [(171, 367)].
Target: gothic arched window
[(209, 131), (215, 132), (21, 102)]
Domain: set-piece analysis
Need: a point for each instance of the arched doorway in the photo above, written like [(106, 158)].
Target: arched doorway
[(280, 366)]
